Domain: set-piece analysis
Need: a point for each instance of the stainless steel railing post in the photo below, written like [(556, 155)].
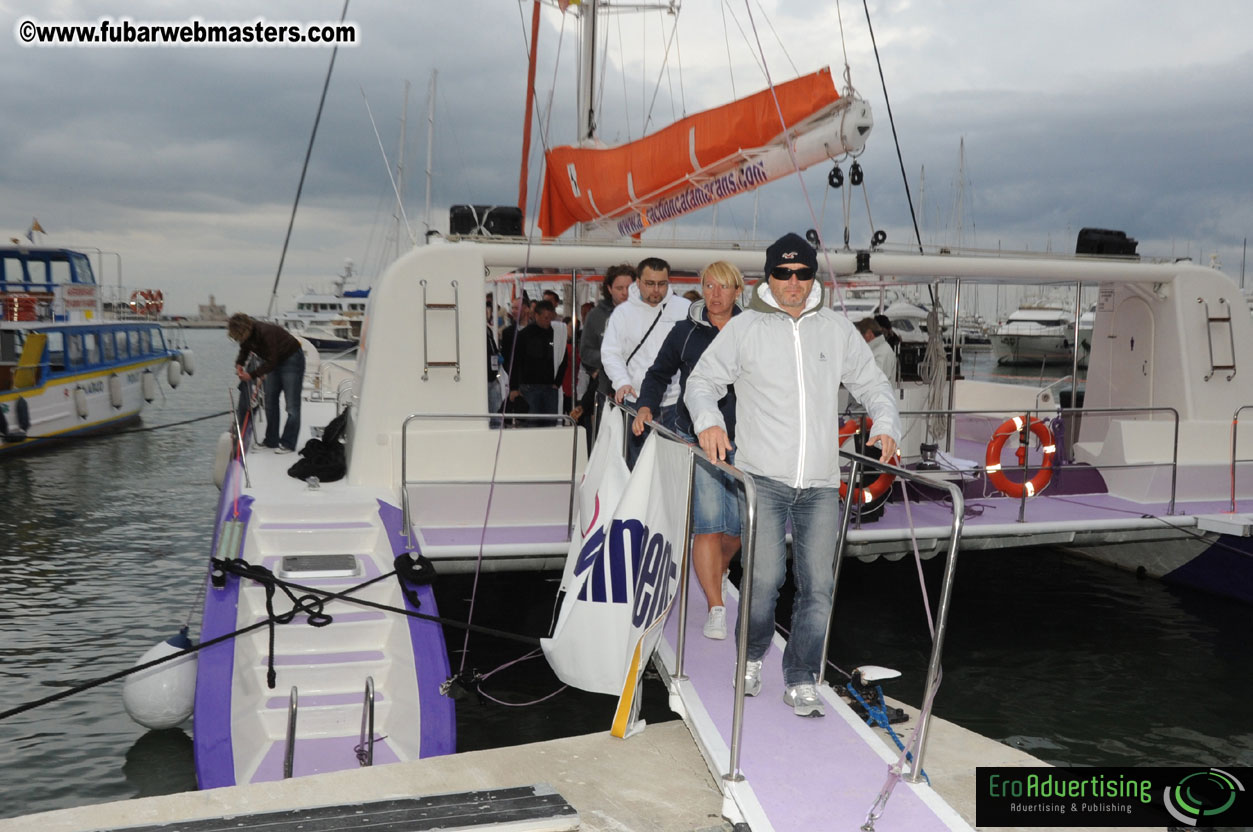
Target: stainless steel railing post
[(853, 471), (365, 750), (941, 627), (289, 753), (686, 567)]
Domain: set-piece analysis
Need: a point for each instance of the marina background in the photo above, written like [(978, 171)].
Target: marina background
[(104, 544)]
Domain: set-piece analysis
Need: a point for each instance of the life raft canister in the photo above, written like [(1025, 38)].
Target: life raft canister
[(881, 485), (996, 475)]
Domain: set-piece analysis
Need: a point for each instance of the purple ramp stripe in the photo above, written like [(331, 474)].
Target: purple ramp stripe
[(323, 700), (319, 755), (437, 718), (842, 775), (496, 535), (326, 658)]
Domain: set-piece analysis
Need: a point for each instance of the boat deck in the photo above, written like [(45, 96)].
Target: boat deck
[(799, 773)]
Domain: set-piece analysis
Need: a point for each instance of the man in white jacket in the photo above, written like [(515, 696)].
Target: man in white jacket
[(634, 335), (787, 356)]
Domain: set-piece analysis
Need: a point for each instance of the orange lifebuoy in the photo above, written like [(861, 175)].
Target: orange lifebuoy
[(996, 475), (147, 301), (139, 303), (881, 485)]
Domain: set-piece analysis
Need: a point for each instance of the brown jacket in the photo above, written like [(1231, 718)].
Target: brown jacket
[(271, 343)]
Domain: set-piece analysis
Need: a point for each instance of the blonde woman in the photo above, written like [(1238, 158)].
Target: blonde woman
[(715, 498)]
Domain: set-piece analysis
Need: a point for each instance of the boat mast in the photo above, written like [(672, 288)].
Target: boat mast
[(430, 146), (530, 104), (400, 161), (587, 71)]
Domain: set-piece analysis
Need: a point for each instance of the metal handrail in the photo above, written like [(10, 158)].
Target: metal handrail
[(365, 749), (747, 550), (747, 555), (404, 454), (946, 593), (289, 753), (239, 437), (1235, 427)]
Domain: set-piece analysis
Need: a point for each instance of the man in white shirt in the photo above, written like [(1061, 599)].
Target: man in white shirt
[(633, 337)]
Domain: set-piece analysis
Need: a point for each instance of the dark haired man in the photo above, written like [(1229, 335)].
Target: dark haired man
[(636, 331), (535, 374)]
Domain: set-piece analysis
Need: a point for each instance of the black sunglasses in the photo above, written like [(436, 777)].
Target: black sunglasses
[(784, 273)]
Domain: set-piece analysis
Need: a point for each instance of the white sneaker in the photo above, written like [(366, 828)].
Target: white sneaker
[(716, 623), (752, 679), (281, 450), (804, 700)]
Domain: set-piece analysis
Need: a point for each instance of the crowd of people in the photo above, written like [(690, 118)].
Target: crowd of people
[(754, 381)]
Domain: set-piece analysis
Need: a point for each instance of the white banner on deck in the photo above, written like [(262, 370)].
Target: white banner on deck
[(622, 577)]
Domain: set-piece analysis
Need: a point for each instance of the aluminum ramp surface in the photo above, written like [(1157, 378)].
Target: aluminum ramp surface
[(800, 773)]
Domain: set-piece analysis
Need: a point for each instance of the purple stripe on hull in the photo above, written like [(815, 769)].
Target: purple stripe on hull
[(215, 759), (496, 535), (276, 703), (311, 659), (430, 656), (319, 755), (806, 773)]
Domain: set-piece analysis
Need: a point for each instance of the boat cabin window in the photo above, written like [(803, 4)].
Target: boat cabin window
[(106, 347), (122, 350), (91, 351), (74, 350), (903, 325), (13, 272), (82, 269), (37, 272), (10, 346), (59, 270), (134, 339), (145, 342), (54, 351)]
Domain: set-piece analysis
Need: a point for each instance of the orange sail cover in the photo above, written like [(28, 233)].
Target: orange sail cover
[(592, 184)]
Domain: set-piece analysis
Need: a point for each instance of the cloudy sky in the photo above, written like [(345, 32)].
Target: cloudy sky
[(1129, 114)]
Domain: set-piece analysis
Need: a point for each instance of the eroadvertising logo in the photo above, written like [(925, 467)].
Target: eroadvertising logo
[(1113, 796)]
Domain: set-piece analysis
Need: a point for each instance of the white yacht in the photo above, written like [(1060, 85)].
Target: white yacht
[(1041, 334), (330, 319)]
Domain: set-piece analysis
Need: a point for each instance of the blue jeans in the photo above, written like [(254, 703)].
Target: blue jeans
[(715, 499), (814, 513), (540, 399), (287, 378)]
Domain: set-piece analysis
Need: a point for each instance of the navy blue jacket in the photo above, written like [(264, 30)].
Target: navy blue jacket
[(680, 351)]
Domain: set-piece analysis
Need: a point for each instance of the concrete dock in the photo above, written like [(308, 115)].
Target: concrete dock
[(656, 781)]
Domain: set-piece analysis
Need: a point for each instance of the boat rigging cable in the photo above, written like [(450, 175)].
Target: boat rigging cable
[(244, 569), (461, 674), (304, 169)]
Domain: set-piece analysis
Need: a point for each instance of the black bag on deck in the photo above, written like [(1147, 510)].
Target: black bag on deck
[(324, 458)]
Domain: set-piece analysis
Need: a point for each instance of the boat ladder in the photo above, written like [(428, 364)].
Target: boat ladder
[(1222, 321), (427, 308), (289, 754), (365, 749)]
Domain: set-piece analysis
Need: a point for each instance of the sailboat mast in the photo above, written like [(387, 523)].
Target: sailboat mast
[(400, 162), (430, 145), (587, 71), (530, 104)]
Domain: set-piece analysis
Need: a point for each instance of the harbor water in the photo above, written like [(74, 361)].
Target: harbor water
[(104, 543)]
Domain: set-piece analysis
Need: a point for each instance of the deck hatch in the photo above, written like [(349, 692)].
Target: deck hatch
[(319, 566)]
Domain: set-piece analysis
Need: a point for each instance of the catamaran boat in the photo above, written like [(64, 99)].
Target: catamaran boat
[(329, 320), (73, 362), (410, 478)]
